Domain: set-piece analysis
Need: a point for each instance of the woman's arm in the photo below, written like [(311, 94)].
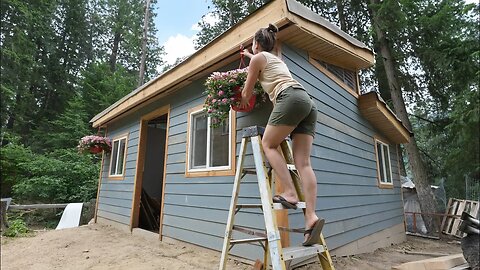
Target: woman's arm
[(257, 64)]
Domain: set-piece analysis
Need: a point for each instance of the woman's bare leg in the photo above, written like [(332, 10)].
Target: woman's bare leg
[(302, 147), (272, 138)]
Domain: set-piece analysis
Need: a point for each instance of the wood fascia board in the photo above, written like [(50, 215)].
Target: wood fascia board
[(224, 45), (370, 103), (333, 39)]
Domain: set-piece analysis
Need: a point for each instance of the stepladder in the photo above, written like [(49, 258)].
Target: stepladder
[(275, 256)]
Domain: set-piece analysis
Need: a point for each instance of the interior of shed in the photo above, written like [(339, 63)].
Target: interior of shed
[(152, 184)]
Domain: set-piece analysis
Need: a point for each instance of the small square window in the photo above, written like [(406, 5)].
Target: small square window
[(117, 157), (209, 149), (383, 163)]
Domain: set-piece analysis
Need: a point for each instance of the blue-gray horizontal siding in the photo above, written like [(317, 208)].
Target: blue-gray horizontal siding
[(344, 162), (115, 197)]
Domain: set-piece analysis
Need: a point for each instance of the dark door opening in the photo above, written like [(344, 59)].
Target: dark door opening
[(152, 184)]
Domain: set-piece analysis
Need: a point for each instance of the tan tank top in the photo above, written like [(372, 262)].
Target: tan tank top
[(275, 77)]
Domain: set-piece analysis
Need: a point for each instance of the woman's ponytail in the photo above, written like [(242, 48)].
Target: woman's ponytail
[(267, 37), (272, 28)]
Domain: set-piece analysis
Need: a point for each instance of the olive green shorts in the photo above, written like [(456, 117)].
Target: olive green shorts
[(294, 107)]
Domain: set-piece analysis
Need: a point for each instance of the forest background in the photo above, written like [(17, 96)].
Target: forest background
[(64, 61)]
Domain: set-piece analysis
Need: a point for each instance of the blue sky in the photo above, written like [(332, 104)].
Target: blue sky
[(175, 23)]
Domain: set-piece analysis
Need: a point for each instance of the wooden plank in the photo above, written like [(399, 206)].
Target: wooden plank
[(440, 263), (38, 206), (450, 221), (100, 177), (458, 211), (447, 212), (301, 252)]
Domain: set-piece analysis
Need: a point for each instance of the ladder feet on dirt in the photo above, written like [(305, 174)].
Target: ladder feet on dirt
[(275, 255)]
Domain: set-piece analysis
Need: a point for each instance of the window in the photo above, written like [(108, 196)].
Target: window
[(343, 77), (117, 157), (384, 166), (209, 149)]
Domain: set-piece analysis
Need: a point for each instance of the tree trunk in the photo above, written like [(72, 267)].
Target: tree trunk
[(341, 15), (141, 74), (420, 176), (403, 171), (113, 56), (230, 9)]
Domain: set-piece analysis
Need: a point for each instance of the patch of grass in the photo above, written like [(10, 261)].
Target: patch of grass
[(17, 228)]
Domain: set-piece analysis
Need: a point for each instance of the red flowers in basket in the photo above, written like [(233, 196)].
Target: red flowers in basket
[(94, 144), (224, 90)]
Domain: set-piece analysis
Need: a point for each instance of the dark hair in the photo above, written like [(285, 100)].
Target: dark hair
[(267, 37)]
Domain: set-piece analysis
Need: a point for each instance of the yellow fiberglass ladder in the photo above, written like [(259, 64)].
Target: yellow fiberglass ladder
[(270, 241)]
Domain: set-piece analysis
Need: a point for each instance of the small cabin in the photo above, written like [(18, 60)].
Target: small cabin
[(172, 174)]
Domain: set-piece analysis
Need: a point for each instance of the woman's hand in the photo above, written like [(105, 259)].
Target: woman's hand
[(247, 53), (245, 99)]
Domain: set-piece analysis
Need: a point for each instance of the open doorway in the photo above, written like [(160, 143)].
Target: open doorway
[(153, 174)]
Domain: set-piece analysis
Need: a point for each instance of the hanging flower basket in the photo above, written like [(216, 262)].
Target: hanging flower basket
[(223, 90), (95, 149), (94, 144), (238, 96)]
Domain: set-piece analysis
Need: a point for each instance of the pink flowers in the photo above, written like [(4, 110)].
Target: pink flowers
[(221, 88), (90, 141)]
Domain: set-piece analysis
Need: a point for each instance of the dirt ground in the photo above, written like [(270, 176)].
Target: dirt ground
[(98, 246)]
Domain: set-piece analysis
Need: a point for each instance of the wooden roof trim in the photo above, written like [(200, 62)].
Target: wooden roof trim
[(332, 38), (371, 102)]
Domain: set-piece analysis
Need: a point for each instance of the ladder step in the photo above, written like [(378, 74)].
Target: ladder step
[(291, 253), (279, 206), (248, 240), (285, 229), (249, 171), (291, 167), (249, 231), (239, 206)]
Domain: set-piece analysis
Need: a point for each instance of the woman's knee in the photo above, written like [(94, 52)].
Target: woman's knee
[(268, 144), (302, 163)]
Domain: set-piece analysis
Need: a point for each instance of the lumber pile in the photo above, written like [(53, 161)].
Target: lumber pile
[(149, 212), (455, 208)]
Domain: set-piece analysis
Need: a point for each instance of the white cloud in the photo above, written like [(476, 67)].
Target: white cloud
[(209, 18), (178, 46), (181, 45)]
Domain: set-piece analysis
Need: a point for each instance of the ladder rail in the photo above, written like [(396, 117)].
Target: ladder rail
[(273, 234), (233, 203)]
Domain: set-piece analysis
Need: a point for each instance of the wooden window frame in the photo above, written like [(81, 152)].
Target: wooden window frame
[(354, 92), (381, 183), (122, 175), (212, 171)]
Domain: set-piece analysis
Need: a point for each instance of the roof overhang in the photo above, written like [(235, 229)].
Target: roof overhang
[(298, 27), (376, 111)]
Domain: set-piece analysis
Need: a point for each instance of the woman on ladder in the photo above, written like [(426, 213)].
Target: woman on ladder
[(293, 113)]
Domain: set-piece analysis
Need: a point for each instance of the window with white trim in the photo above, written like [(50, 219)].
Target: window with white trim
[(210, 149), (384, 165), (117, 156)]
